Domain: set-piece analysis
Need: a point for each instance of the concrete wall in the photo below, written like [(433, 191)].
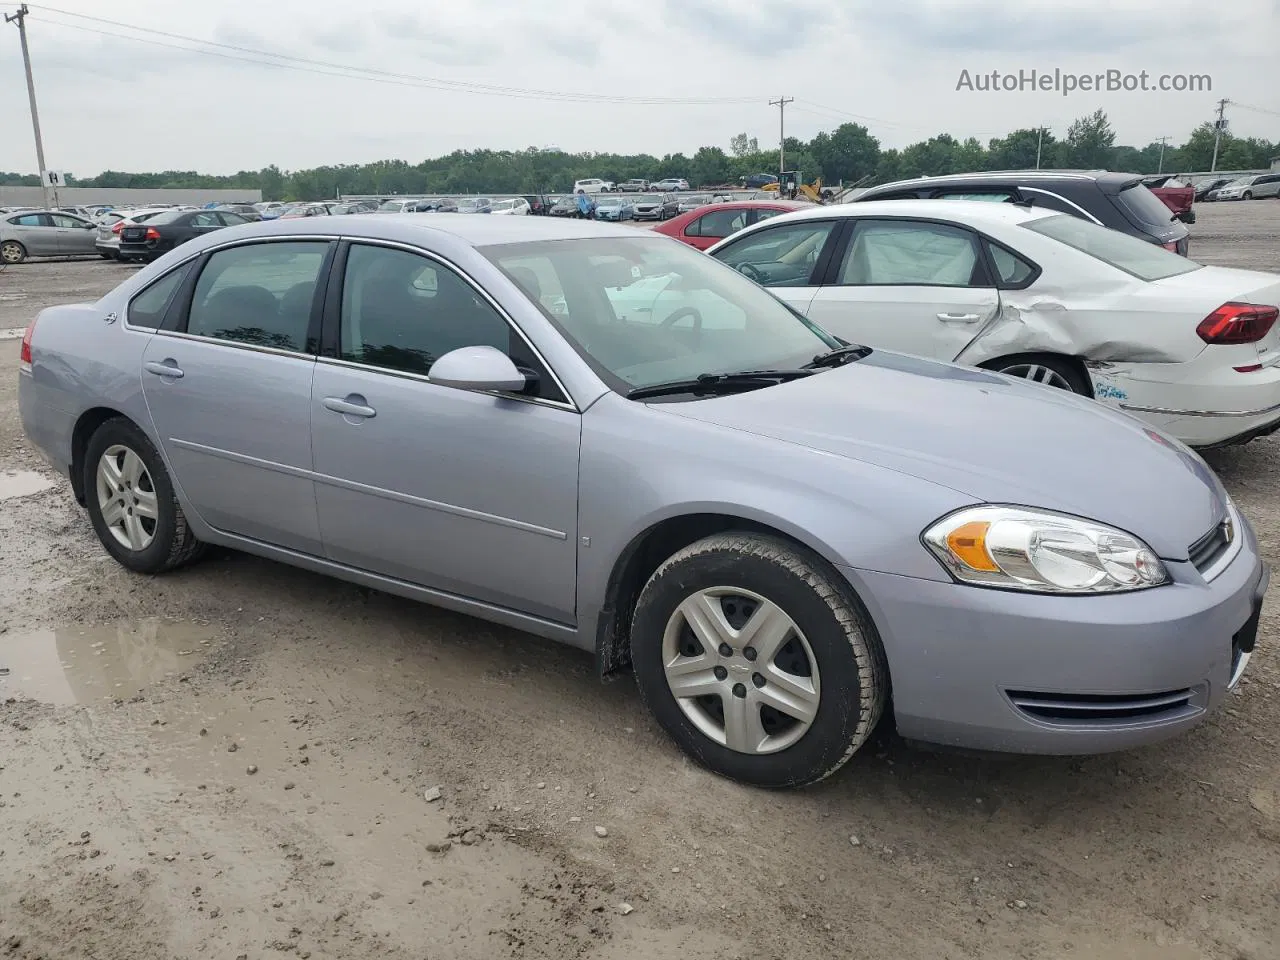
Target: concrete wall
[(76, 196)]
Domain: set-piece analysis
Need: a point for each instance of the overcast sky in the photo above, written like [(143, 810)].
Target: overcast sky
[(110, 102)]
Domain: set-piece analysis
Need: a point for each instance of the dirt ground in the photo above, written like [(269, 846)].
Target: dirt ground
[(235, 761)]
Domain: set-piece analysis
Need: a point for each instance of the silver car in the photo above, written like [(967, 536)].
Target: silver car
[(605, 437), (107, 243), (45, 233)]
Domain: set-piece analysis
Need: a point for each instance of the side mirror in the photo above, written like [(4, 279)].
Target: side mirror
[(477, 368)]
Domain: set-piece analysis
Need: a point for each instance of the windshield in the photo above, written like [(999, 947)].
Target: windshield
[(1138, 258), (393, 206), (646, 310), (1241, 182)]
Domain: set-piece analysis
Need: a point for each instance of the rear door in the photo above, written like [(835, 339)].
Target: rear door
[(788, 258), (914, 286), (36, 233), (227, 381)]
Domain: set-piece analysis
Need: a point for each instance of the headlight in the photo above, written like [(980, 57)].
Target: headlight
[(1041, 552)]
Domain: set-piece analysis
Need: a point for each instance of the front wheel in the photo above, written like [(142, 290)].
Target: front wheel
[(11, 251), (1248, 195), (131, 501), (758, 660)]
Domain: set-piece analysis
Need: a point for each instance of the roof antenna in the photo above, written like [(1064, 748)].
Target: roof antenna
[(1024, 201)]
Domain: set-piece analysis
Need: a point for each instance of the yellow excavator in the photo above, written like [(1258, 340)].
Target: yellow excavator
[(790, 185)]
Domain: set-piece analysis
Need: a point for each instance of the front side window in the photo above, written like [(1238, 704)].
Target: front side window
[(1138, 258), (228, 219), (402, 311), (148, 308), (907, 252), (784, 255), (62, 220), (717, 223), (259, 294), (206, 220), (644, 310)]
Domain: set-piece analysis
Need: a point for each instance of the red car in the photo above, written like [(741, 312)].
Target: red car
[(710, 224)]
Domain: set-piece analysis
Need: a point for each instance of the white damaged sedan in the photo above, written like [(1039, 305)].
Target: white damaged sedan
[(1193, 350)]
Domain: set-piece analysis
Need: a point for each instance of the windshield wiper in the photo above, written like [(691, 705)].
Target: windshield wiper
[(838, 357), (712, 383)]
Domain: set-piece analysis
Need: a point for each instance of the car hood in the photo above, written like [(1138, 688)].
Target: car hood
[(989, 437)]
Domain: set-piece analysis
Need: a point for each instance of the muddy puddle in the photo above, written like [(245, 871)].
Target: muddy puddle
[(22, 483), (87, 663)]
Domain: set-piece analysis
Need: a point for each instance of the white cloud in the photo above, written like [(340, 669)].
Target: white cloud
[(108, 102)]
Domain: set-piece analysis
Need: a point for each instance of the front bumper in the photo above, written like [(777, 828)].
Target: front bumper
[(1003, 671)]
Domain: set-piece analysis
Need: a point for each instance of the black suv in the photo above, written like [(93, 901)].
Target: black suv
[(1117, 200)]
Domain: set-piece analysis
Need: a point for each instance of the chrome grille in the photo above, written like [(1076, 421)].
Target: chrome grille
[(1103, 708), (1206, 551)]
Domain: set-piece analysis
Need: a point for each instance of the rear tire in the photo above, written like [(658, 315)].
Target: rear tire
[(803, 682), (11, 251), (1046, 369), (131, 502)]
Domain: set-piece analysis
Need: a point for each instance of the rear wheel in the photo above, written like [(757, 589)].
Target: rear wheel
[(131, 501), (11, 251), (758, 660), (1046, 369)]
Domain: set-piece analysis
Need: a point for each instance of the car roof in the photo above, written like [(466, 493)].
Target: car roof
[(1104, 178), (475, 231), (969, 211)]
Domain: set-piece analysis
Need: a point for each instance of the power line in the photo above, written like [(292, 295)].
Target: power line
[(1245, 106), (305, 64)]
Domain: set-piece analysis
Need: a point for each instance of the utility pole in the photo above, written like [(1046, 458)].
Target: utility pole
[(1218, 127), (20, 18), (1163, 141), (781, 104), (1039, 144)]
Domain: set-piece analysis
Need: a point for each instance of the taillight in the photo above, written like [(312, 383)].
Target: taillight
[(152, 233), (1171, 246), (24, 356), (117, 226), (1237, 323)]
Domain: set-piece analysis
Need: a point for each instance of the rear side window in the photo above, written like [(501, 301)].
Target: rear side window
[(1011, 270), (148, 308), (1142, 206), (259, 294), (717, 223), (1138, 258), (29, 220)]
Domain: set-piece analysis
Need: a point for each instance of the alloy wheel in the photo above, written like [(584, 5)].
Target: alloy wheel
[(127, 498), (1038, 373), (11, 252), (741, 670)]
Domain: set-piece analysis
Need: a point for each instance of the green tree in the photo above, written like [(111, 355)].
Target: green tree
[(1089, 141), (848, 153), (741, 145)]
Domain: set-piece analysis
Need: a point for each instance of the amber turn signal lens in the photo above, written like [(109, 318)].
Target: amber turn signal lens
[(968, 543)]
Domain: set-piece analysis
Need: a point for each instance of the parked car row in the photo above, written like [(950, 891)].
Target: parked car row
[(596, 185), (694, 467)]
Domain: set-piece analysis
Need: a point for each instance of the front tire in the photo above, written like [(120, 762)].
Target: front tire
[(11, 251), (758, 660), (1248, 195), (131, 502)]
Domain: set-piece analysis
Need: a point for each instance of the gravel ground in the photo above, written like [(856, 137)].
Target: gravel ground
[(246, 760)]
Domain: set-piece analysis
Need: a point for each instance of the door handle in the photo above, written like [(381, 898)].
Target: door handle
[(168, 369), (959, 317), (353, 405)]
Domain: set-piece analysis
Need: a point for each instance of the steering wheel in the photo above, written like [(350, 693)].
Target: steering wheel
[(680, 314), (751, 272)]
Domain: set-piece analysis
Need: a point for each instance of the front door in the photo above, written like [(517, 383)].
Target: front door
[(473, 494), (913, 286), (39, 237), (788, 258), (229, 391), (76, 237)]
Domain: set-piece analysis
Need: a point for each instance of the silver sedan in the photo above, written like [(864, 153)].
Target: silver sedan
[(45, 233), (604, 437)]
